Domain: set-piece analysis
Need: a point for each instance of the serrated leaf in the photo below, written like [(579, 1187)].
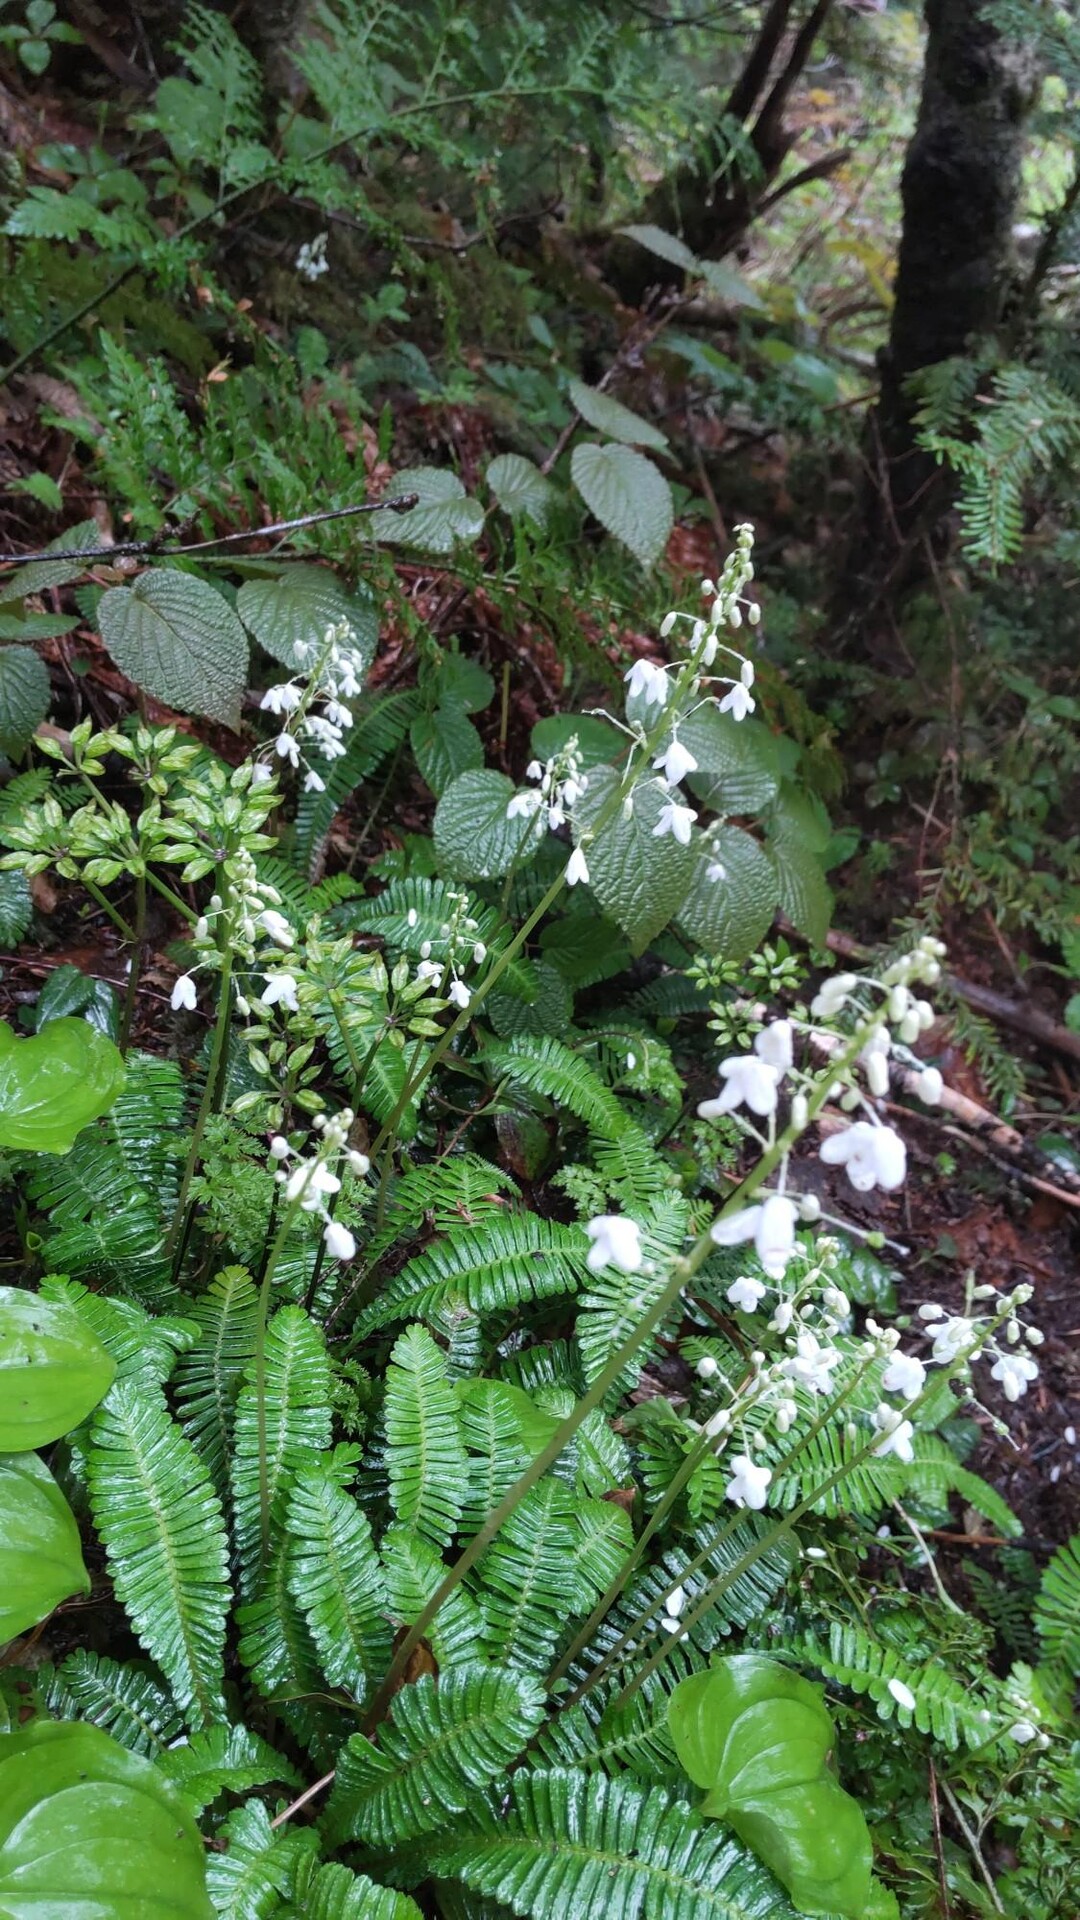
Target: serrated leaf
[(28, 625), (611, 417), (628, 495), (805, 894), (639, 880), (299, 606), (729, 285), (738, 771), (39, 574), (180, 641), (41, 1559), (443, 515), (53, 1370), (666, 246), (445, 744), (728, 916), (15, 908), (474, 839), (93, 1832), (520, 487), (24, 697)]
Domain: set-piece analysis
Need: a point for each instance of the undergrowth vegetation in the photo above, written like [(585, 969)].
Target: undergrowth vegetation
[(468, 1442)]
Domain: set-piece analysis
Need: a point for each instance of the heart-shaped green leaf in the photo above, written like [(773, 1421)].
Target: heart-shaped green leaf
[(92, 1832), (54, 1083), (53, 1370), (758, 1737), (41, 1559), (178, 639)]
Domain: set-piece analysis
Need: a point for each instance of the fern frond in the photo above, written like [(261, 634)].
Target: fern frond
[(546, 1567), (123, 1700), (414, 915), (508, 1262), (936, 1473), (425, 1454), (380, 724), (251, 1872), (336, 1580), (413, 1570), (208, 1375), (224, 1759), (456, 1193), (297, 1420), (576, 1843), (1057, 1608), (442, 1744), (946, 1707), (144, 1346), (155, 1508), (333, 1893), (547, 1067)]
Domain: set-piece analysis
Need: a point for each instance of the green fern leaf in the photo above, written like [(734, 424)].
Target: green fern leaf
[(251, 1872), (336, 1580), (333, 1893), (208, 1376), (124, 1700), (946, 1707), (574, 1843), (297, 1420), (413, 1571), (546, 1567), (155, 1508), (379, 725), (425, 1454), (144, 1347), (616, 1301), (547, 1067), (506, 1263), (440, 1746), (224, 1760), (1057, 1608)]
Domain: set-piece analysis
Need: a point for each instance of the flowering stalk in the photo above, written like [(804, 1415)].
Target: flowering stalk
[(213, 1086)]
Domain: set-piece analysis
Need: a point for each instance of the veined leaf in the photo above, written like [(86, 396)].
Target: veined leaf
[(520, 487), (336, 1579), (24, 697), (178, 639), (299, 606), (475, 838), (513, 1259), (611, 417), (639, 879), (629, 496), (425, 1453)]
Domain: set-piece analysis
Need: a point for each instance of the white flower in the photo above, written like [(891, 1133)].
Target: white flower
[(1014, 1370), (459, 994), (812, 1364), (774, 1045), (283, 699), (771, 1226), (311, 260), (747, 1294), (280, 990), (314, 782), (308, 1182), (649, 681), (738, 701), (276, 926), (286, 749), (339, 1242), (896, 1434), (359, 1162), (525, 804), (676, 762), (261, 776), (749, 1081), (951, 1336), (675, 820), (479, 954), (184, 993), (904, 1375), (280, 1148), (534, 771), (873, 1156), (832, 995), (902, 1694), (429, 970), (715, 871), (746, 671), (749, 1484), (930, 1086), (707, 1368), (577, 868), (616, 1242), (1022, 1731), (675, 1602)]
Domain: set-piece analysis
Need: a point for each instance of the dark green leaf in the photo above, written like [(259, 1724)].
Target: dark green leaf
[(640, 880), (178, 639), (629, 496), (299, 606), (53, 1370), (474, 838), (24, 697), (727, 916)]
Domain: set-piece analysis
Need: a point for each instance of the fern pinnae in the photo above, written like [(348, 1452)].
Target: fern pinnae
[(120, 1698), (208, 1375), (156, 1510), (335, 1578), (277, 1432), (511, 1260), (425, 1453)]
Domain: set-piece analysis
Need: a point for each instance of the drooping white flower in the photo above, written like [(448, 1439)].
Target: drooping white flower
[(812, 1364), (715, 871), (770, 1225), (675, 1602), (707, 1368), (280, 990), (901, 1693), (429, 970), (905, 1375), (314, 782), (1022, 1731), (930, 1086), (359, 1162), (282, 699), (896, 1434), (459, 994), (577, 868), (280, 1148), (286, 749), (748, 1081), (675, 820), (650, 681), (832, 995), (677, 761), (872, 1156), (184, 993), (749, 1484), (339, 1242), (616, 1242), (775, 1045), (525, 804), (738, 701), (1014, 1370), (747, 1294), (308, 1183), (261, 776), (276, 926), (951, 1336)]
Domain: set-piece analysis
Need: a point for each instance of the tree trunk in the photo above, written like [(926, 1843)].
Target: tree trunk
[(959, 192)]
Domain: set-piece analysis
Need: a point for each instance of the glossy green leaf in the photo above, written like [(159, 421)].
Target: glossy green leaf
[(475, 839), (759, 1739), (41, 1559), (89, 1831), (54, 1083), (299, 606), (629, 496), (178, 639), (597, 740), (53, 1370)]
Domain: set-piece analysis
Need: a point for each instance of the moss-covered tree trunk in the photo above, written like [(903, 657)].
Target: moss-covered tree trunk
[(959, 190)]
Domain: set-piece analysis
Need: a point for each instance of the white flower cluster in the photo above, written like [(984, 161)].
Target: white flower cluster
[(334, 675), (250, 917), (459, 936), (310, 1181), (311, 260), (560, 783)]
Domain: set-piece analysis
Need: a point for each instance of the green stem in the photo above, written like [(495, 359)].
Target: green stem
[(174, 899), (121, 925), (211, 1097), (132, 995)]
